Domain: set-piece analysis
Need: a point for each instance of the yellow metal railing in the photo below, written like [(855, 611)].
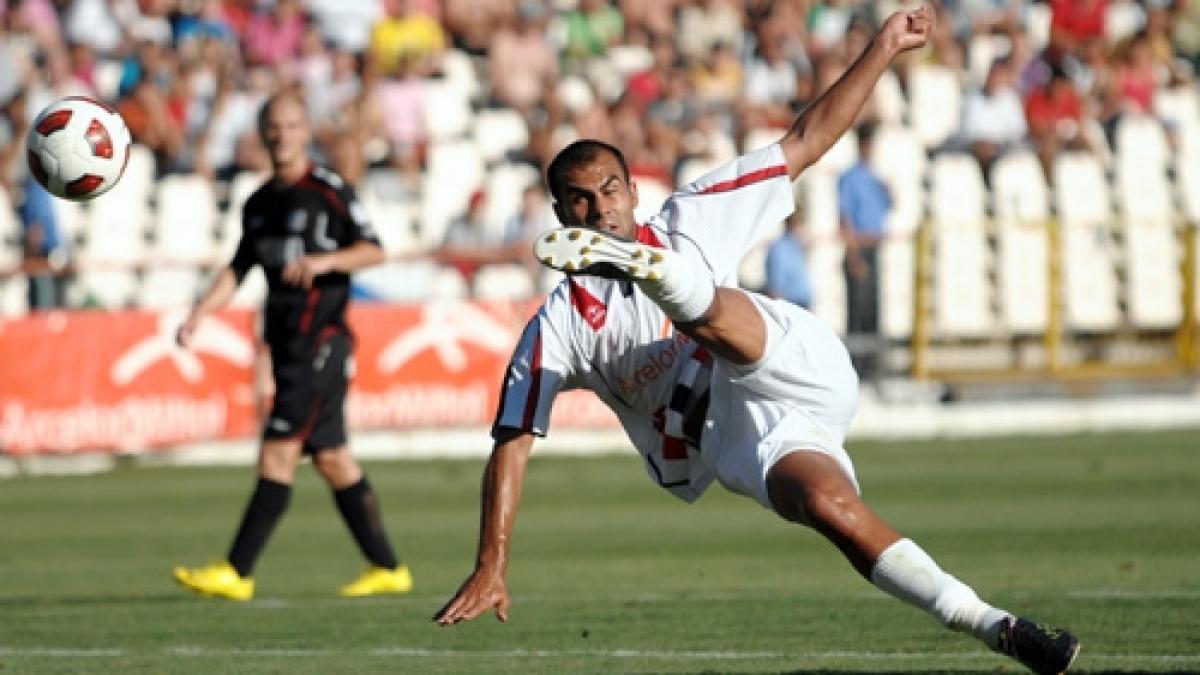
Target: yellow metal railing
[(1186, 356)]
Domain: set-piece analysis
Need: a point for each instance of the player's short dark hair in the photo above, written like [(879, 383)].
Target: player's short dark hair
[(276, 98), (574, 155), (866, 131)]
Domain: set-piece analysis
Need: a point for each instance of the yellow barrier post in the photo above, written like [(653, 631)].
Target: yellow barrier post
[(920, 329), (1053, 335), (1185, 338)]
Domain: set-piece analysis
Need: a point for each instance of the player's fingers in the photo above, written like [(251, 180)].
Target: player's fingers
[(502, 608), (450, 613)]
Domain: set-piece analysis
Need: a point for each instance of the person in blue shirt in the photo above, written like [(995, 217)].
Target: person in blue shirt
[(787, 266), (863, 204)]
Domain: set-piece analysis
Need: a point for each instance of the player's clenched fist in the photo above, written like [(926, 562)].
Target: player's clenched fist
[(907, 29)]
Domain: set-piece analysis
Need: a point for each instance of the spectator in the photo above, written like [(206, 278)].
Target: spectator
[(407, 36), (863, 203), (787, 265), (468, 245), (45, 251), (150, 122), (345, 24), (1075, 22), (591, 29), (522, 60), (1055, 118), (273, 37), (993, 119), (533, 218)]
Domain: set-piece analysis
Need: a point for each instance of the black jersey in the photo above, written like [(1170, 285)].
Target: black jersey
[(317, 214)]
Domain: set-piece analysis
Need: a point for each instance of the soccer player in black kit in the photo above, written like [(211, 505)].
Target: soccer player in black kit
[(308, 232)]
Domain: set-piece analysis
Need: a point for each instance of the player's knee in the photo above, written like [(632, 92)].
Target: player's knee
[(831, 507), (337, 466)]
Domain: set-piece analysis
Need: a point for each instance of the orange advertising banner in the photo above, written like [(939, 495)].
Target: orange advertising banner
[(74, 381)]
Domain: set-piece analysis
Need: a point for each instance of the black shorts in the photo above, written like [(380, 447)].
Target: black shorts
[(311, 378)]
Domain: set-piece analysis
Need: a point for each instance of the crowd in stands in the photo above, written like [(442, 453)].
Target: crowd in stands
[(678, 85)]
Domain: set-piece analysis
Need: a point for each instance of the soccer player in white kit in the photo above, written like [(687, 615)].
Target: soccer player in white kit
[(710, 381)]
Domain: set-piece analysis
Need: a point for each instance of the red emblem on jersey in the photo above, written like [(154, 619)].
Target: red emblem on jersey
[(589, 306)]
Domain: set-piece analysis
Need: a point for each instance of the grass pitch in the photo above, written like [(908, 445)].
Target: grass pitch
[(610, 574)]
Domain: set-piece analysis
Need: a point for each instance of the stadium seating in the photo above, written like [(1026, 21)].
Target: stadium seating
[(252, 291), (899, 158), (1090, 288), (896, 260), (961, 262), (10, 235), (1021, 204), (1154, 284), (184, 220), (888, 99), (14, 299), (498, 131), (829, 282), (935, 100)]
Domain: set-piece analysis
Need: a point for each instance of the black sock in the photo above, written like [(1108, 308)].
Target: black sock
[(266, 507), (360, 510)]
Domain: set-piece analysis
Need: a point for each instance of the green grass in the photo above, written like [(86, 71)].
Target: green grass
[(610, 574)]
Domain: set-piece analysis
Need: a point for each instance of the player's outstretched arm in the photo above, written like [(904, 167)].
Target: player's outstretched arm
[(219, 293), (823, 122), (502, 481)]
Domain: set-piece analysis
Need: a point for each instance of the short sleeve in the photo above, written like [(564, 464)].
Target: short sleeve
[(726, 212)]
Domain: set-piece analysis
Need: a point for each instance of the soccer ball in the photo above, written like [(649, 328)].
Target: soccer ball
[(77, 148)]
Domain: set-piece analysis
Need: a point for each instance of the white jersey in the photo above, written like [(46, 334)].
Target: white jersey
[(606, 336)]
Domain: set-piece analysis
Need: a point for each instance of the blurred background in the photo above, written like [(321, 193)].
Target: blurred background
[(1012, 220)]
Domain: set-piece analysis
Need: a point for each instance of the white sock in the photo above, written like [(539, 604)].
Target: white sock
[(906, 572), (684, 293)]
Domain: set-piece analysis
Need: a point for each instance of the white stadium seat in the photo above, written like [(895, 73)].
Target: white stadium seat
[(889, 100), (1023, 269), (398, 281), (829, 282), (393, 221), (961, 293), (14, 296), (506, 185), (460, 73), (1155, 286), (956, 192), (1089, 282), (185, 220), (935, 95), (1080, 190), (818, 196), (229, 228), (898, 156), (455, 169), (10, 234), (896, 260), (841, 155), (498, 131), (447, 109), (652, 194), (1020, 195)]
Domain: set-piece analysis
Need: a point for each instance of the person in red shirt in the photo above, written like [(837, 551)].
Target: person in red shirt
[(1074, 22), (1054, 114)]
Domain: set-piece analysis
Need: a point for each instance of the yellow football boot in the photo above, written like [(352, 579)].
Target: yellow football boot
[(218, 579), (378, 580)]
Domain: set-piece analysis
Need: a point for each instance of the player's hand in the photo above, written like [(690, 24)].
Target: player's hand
[(907, 29), (482, 591), (302, 270), (187, 331)]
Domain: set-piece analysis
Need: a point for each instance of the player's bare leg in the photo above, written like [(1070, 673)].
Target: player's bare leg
[(811, 488)]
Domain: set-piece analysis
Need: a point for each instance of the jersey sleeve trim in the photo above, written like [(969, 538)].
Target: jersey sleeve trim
[(745, 179)]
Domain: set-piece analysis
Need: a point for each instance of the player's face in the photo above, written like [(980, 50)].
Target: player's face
[(598, 196), (285, 133)]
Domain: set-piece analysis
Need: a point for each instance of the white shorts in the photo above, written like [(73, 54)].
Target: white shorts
[(800, 397)]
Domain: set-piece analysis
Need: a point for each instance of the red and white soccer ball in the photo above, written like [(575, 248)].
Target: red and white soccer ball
[(77, 148)]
